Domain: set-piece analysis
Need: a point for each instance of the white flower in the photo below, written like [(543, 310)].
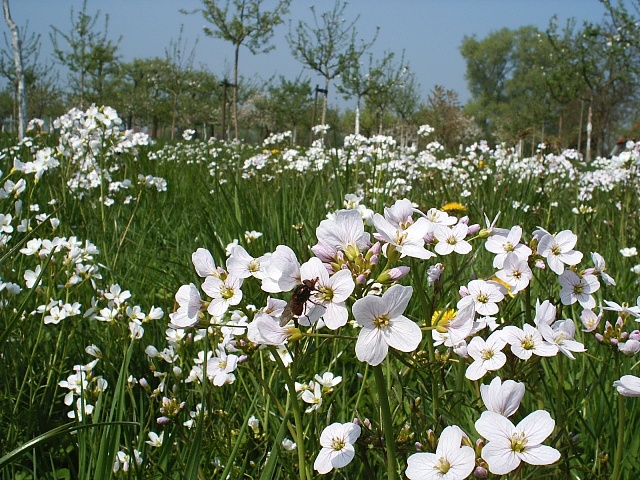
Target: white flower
[(283, 271), (409, 241), (451, 461), (451, 239), (628, 386), (220, 368), (561, 334), (558, 250), (313, 397), (189, 306), (384, 326), (223, 293), (203, 262), (484, 296), (578, 289), (502, 397), (337, 446), (509, 445), (629, 252), (515, 272), (155, 440), (527, 341), (487, 355), (345, 232), (600, 267), (503, 245), (328, 298), (242, 265)]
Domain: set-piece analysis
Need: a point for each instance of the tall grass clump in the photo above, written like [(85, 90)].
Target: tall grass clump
[(219, 309)]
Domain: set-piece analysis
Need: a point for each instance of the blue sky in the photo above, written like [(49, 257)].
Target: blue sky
[(429, 31)]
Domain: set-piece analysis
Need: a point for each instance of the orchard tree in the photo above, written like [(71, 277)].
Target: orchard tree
[(89, 54), (360, 82), (242, 22), (328, 46), (291, 101)]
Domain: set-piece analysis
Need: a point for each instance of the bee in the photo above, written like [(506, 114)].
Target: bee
[(296, 304)]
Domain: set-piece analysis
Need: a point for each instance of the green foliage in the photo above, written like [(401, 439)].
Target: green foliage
[(217, 192)]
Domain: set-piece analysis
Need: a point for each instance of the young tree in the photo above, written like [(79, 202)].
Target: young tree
[(291, 102), (16, 43), (355, 81), (328, 46), (90, 55), (243, 22)]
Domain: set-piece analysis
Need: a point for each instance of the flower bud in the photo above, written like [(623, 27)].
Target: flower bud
[(480, 472), (473, 229)]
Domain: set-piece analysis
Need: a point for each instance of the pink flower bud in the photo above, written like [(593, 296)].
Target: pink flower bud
[(473, 229), (163, 420), (599, 337), (480, 472), (324, 251), (464, 220), (540, 264)]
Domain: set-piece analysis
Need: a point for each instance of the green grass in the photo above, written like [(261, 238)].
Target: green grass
[(145, 247)]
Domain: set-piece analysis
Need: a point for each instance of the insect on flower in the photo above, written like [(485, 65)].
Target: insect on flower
[(296, 304)]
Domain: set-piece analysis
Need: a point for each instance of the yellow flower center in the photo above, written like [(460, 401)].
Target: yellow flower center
[(518, 442), (382, 321)]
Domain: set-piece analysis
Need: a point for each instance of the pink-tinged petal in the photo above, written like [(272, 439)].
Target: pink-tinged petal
[(366, 309), (496, 362), (203, 262), (418, 229), (313, 269), (211, 286), (371, 347), (540, 455), (463, 248), (571, 258), (420, 466), (415, 251), (476, 370), (628, 386), (342, 284), (443, 248), (462, 460), (342, 457), (335, 316), (495, 428), (566, 240), (545, 244), (537, 426), (402, 334), (384, 228), (475, 347), (396, 299), (555, 264), (500, 458), (450, 440), (322, 463), (351, 432), (217, 307)]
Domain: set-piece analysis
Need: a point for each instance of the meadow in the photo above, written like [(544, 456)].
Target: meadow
[(224, 310)]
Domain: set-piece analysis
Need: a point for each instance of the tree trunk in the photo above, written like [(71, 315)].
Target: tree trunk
[(589, 129), (324, 102), (16, 43), (235, 91)]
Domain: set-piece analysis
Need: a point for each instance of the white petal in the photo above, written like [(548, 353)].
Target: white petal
[(370, 346)]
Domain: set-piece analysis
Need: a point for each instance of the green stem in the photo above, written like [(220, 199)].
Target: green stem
[(297, 415), (617, 461), (387, 422)]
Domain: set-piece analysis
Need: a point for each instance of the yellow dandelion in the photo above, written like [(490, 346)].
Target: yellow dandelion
[(454, 207), (442, 318)]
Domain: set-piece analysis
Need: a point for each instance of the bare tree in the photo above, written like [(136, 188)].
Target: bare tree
[(327, 46), (243, 22), (16, 43)]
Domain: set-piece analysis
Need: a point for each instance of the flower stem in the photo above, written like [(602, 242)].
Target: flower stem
[(297, 416), (617, 460), (387, 422)]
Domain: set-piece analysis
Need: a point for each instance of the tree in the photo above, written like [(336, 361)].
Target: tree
[(90, 55), (355, 81), (327, 46), (16, 43), (443, 111), (291, 101), (243, 22)]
